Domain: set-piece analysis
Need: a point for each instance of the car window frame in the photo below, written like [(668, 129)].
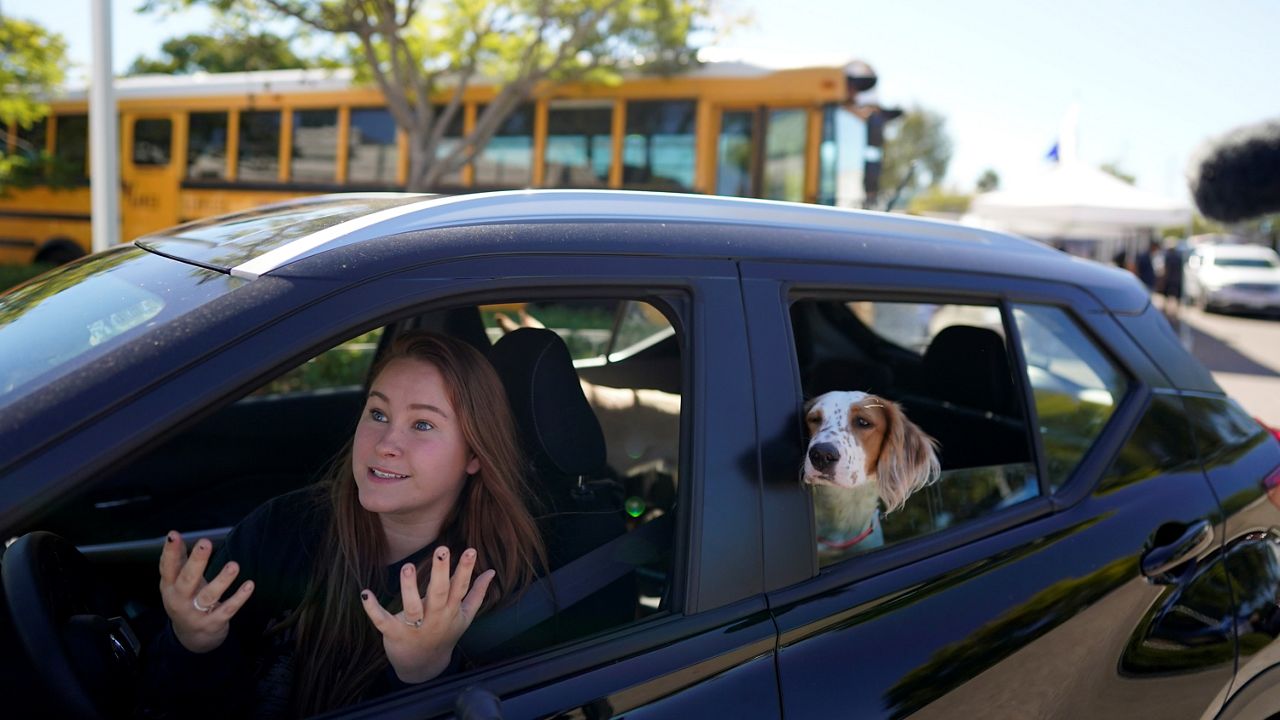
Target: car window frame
[(780, 283), (327, 315)]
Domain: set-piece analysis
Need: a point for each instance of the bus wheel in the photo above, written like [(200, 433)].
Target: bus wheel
[(59, 251)]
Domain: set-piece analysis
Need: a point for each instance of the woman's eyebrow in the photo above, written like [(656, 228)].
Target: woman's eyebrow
[(414, 406)]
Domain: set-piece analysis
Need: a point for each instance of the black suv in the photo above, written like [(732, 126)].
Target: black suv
[(1101, 541)]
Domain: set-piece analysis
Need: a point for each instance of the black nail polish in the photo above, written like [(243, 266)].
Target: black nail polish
[(364, 595)]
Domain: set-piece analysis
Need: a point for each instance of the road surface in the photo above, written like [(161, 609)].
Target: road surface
[(1243, 353)]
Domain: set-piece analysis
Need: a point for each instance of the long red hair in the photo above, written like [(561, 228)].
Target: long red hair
[(339, 653)]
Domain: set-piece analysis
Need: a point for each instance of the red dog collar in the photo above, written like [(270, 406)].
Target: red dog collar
[(846, 544)]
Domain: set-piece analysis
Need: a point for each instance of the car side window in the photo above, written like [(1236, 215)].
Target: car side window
[(1075, 385), (626, 356), (949, 369), (343, 366)]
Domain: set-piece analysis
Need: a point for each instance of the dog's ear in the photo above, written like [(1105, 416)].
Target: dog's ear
[(808, 404), (908, 459)]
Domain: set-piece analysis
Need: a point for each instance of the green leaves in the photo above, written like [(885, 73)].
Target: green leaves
[(32, 64)]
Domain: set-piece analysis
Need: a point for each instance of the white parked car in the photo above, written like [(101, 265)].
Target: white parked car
[(1234, 277)]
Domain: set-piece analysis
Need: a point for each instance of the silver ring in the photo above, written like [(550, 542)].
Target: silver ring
[(416, 623), (195, 602)]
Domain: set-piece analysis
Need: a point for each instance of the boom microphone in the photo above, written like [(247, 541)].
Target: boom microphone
[(1237, 176)]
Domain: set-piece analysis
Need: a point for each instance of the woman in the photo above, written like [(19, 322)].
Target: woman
[(431, 482)]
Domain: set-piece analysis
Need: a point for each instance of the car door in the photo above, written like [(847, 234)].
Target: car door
[(711, 647), (1079, 574)]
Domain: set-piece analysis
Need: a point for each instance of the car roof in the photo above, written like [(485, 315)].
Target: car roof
[(266, 240)]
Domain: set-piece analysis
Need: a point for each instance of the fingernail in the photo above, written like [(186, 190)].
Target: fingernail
[(364, 594), (470, 554), (442, 554), (408, 568), (168, 538)]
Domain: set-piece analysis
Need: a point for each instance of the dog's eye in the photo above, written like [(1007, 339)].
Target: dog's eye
[(862, 422)]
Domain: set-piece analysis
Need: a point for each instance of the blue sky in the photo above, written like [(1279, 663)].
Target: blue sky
[(1152, 79)]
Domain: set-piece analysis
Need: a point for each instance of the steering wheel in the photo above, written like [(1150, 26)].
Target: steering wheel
[(82, 647)]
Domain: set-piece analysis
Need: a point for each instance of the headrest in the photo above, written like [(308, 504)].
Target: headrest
[(969, 366), (845, 374), (559, 429)]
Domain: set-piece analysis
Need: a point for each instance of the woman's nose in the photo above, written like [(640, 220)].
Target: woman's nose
[(388, 443)]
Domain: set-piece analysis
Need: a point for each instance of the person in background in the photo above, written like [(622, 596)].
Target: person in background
[(1146, 265), (1171, 280)]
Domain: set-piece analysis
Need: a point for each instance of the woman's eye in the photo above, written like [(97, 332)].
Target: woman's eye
[(377, 416), (423, 425)]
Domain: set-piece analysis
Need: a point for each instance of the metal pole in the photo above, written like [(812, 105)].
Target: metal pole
[(104, 143)]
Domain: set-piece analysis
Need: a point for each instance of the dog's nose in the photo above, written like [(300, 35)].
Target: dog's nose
[(823, 456)]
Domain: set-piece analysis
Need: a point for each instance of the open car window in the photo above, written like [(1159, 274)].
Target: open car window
[(950, 370), (284, 434)]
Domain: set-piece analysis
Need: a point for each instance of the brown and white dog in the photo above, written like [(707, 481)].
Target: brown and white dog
[(862, 451)]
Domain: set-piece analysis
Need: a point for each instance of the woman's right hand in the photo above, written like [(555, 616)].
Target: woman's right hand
[(185, 592)]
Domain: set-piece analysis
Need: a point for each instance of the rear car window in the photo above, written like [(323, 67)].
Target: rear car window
[(949, 369), (1075, 385)]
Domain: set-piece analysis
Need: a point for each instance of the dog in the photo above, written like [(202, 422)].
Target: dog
[(862, 451)]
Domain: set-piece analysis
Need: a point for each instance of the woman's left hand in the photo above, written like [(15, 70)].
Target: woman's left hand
[(419, 640)]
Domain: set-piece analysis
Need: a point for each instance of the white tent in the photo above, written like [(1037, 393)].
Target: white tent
[(1077, 202)]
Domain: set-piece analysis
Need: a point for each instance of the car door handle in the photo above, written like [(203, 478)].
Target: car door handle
[(1159, 560)]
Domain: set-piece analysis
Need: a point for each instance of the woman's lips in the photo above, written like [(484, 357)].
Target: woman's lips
[(383, 475)]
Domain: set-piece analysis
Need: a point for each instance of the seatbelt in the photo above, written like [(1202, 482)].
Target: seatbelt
[(569, 585)]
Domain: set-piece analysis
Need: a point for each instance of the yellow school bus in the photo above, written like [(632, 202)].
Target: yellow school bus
[(205, 144)]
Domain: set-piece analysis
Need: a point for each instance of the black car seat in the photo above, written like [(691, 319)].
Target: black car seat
[(974, 415), (580, 509)]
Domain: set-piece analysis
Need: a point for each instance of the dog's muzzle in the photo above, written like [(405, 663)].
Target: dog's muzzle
[(823, 457)]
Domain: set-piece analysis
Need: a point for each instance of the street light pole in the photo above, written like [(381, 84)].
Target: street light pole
[(104, 147)]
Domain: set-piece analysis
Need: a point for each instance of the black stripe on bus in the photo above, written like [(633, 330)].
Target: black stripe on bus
[(17, 242), (44, 215)]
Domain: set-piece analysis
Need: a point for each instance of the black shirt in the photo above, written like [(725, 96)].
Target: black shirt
[(250, 674)]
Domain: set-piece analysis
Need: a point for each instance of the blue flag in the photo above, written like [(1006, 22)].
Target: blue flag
[(1053, 153)]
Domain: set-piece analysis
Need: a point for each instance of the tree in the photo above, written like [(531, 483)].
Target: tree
[(423, 55), (222, 52), (33, 62), (917, 151), (989, 180), (1113, 169), (938, 201)]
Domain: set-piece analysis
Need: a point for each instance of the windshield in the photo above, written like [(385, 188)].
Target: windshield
[(1245, 262), (66, 318)]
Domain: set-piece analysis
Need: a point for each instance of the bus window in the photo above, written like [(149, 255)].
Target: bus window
[(579, 145), (451, 139), (31, 140), (207, 146), (260, 146), (784, 145), (507, 160), (371, 147), (71, 143), (658, 152), (151, 141), (734, 154), (315, 146), (842, 157)]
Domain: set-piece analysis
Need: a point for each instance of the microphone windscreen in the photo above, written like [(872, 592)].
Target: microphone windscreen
[(1237, 176)]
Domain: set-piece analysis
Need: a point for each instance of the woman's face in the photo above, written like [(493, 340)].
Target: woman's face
[(409, 457)]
